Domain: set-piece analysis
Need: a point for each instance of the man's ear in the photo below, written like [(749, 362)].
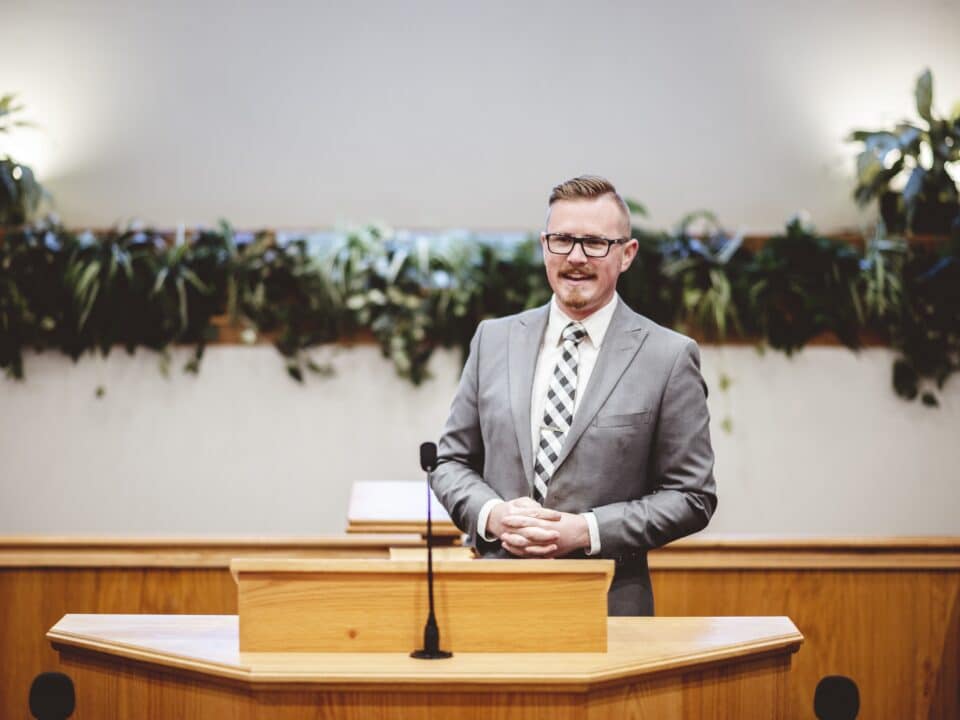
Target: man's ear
[(629, 253)]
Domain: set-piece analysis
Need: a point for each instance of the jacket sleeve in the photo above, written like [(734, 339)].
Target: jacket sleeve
[(458, 480), (685, 497)]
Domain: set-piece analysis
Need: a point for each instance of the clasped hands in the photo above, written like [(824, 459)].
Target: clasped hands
[(527, 529)]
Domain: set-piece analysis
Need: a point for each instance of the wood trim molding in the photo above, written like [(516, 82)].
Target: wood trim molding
[(189, 552), (444, 530), (766, 553), (709, 553)]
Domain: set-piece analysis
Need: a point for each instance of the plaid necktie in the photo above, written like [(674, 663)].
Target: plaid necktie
[(558, 410)]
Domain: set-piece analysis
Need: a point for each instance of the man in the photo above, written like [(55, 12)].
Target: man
[(580, 428)]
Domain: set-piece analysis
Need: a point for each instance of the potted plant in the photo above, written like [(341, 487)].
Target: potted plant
[(20, 193), (907, 169)]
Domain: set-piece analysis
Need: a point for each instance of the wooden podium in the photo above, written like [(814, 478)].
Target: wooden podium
[(381, 605), (331, 639)]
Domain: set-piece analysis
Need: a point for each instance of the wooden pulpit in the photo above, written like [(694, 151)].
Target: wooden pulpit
[(332, 639), (381, 605)]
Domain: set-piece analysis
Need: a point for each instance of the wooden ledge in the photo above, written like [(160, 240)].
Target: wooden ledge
[(103, 552), (707, 553), (837, 553), (208, 644)]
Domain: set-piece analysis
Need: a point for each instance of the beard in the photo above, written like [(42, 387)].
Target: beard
[(576, 297)]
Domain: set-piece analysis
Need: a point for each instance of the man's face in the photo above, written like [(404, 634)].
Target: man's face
[(584, 284)]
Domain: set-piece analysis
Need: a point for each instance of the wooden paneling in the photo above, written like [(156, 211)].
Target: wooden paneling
[(41, 579), (894, 632), (32, 600), (884, 611)]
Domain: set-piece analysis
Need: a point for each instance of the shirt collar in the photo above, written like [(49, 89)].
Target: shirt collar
[(596, 324)]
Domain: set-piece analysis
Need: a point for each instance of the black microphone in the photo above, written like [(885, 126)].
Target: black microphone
[(431, 633), (52, 696), (428, 462)]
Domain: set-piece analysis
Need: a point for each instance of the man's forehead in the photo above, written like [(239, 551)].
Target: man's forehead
[(589, 216)]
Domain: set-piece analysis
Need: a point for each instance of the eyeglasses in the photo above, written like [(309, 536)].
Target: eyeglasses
[(594, 247)]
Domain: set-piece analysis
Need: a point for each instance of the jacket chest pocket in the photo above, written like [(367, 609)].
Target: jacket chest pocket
[(622, 420)]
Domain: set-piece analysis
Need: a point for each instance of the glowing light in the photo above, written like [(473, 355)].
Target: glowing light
[(17, 172), (31, 148)]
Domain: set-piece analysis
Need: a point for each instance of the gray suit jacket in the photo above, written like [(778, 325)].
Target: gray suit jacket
[(638, 453)]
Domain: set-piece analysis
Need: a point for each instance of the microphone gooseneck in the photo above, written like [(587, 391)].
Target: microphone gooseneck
[(431, 632)]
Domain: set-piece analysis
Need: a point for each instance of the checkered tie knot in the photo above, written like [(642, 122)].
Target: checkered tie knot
[(558, 409)]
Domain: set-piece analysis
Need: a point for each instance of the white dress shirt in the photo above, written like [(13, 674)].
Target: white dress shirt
[(550, 348)]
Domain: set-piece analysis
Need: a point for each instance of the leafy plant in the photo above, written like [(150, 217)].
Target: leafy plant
[(644, 286), (282, 289), (483, 280), (925, 325), (138, 288), (33, 301), (802, 285), (20, 192), (921, 152), (389, 286), (706, 268)]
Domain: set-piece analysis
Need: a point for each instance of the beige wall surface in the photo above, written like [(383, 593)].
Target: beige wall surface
[(449, 114), (441, 114), (818, 444)]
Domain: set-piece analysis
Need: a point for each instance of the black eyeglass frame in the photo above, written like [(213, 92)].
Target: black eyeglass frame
[(580, 240)]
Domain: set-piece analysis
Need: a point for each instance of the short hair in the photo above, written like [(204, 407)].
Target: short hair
[(587, 187)]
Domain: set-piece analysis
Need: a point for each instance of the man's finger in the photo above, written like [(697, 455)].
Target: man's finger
[(514, 540), (523, 506), (512, 550), (533, 536), (540, 550), (532, 527), (548, 514), (525, 502), (519, 521)]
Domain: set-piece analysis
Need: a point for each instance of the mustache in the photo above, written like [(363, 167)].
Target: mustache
[(577, 273)]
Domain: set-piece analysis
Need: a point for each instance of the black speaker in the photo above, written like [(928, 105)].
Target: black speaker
[(52, 696), (836, 698)]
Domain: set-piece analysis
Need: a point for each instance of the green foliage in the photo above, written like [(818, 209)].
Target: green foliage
[(706, 268), (20, 192), (413, 293), (919, 152), (924, 326), (802, 285)]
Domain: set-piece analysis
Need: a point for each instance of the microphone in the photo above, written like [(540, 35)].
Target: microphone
[(431, 633), (428, 462), (52, 696)]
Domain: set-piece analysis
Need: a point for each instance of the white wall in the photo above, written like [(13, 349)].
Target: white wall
[(438, 114), (820, 444)]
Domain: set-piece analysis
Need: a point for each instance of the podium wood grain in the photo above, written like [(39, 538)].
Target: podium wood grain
[(381, 605), (191, 667)]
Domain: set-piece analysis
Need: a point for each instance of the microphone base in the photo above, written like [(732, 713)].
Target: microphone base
[(424, 654)]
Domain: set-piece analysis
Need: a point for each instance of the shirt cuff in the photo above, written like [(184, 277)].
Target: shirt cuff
[(594, 528), (485, 513)]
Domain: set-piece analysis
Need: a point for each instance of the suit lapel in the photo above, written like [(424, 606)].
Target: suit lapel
[(620, 344), (526, 333)]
